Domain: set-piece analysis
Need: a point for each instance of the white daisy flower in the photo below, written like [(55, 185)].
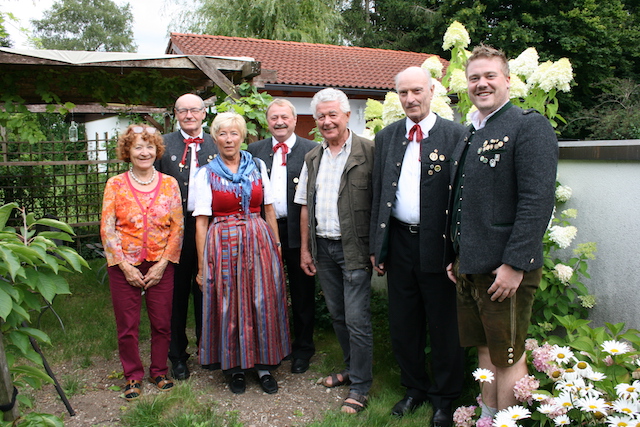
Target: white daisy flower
[(596, 376), (547, 408), (565, 400), (592, 405), (629, 391), (483, 375), (620, 421), (615, 347), (517, 412), (503, 420), (562, 420), (562, 354), (627, 406)]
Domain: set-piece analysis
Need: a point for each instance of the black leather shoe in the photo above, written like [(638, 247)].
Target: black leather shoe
[(180, 371), (407, 405), (238, 384), (269, 384), (442, 418), (299, 366)]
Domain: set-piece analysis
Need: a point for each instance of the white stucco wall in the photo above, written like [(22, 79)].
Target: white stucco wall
[(607, 196)]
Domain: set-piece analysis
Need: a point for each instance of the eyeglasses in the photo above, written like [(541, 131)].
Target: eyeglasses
[(140, 129), (182, 111)]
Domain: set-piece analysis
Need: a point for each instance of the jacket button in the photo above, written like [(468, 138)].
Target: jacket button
[(394, 184), (389, 204), (383, 225)]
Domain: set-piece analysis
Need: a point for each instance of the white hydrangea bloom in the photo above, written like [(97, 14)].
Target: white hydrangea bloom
[(439, 90), (434, 66), (562, 72), (563, 236), (563, 193), (391, 109), (472, 110), (525, 64), (553, 75), (440, 106), (456, 36), (563, 272), (517, 88), (368, 134), (570, 213), (458, 82)]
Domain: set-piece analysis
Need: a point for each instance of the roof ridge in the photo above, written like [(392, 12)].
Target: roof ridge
[(266, 41)]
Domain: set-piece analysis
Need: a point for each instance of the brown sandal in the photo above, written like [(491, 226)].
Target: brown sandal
[(334, 381), (358, 405), (132, 390), (162, 382)]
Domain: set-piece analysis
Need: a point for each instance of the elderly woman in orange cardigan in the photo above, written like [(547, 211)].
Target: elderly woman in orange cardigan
[(141, 230)]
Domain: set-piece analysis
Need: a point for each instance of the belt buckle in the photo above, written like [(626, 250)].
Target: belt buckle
[(413, 228)]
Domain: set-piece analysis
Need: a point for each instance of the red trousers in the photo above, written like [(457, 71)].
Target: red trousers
[(127, 303)]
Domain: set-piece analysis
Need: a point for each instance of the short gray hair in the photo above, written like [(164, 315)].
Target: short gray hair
[(282, 102), (327, 95), (424, 70)]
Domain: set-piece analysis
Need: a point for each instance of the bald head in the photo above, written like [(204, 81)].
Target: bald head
[(415, 90), (190, 112)]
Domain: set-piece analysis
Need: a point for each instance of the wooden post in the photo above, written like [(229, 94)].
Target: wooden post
[(6, 387)]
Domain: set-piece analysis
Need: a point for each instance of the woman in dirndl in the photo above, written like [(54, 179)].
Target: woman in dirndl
[(245, 325)]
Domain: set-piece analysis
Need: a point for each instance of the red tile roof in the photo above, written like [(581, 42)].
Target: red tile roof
[(307, 63)]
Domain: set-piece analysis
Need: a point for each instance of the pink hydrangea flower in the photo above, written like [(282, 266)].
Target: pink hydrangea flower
[(463, 416), (608, 360), (531, 344), (485, 422), (524, 388), (542, 358)]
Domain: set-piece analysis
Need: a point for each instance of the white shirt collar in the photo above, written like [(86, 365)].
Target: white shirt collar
[(426, 124), (477, 125), (291, 141)]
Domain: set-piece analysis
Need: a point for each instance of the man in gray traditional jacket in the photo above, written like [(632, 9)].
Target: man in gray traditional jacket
[(503, 176), (410, 196)]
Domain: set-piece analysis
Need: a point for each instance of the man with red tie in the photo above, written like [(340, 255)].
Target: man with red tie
[(284, 154), (185, 151), (408, 220)]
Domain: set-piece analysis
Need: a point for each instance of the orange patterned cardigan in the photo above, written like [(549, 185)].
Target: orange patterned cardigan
[(141, 226)]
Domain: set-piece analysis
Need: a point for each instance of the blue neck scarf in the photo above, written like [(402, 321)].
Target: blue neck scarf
[(240, 183)]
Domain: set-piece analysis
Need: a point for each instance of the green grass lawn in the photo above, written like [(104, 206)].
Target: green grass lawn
[(90, 333)]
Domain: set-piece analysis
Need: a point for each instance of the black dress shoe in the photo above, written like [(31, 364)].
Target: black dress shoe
[(238, 384), (180, 370), (269, 384), (442, 418), (407, 405), (299, 366)]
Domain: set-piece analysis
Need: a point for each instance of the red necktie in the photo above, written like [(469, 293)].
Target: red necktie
[(188, 141), (285, 150), (417, 132)]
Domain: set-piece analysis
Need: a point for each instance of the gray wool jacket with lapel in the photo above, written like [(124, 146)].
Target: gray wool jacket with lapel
[(435, 156), (509, 191), (263, 150)]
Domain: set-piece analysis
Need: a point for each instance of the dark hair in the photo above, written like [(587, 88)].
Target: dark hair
[(125, 140)]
